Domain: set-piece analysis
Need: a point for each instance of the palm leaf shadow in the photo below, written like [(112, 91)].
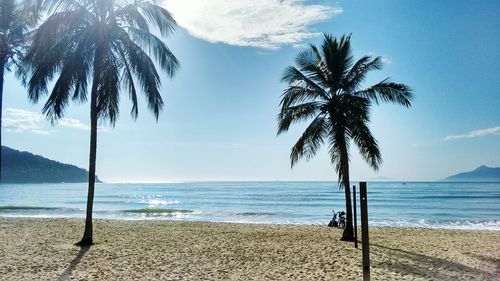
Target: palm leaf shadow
[(416, 264)]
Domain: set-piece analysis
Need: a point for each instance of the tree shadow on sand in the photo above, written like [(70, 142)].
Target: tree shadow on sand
[(73, 264), (410, 263)]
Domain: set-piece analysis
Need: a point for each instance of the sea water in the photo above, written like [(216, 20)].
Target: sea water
[(459, 205)]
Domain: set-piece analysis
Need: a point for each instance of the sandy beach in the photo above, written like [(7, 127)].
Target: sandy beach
[(42, 249)]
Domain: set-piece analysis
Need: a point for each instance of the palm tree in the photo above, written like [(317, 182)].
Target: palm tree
[(326, 87), (104, 44), (17, 17)]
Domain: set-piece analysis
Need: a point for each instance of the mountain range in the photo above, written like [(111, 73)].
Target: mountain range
[(24, 167), (482, 173)]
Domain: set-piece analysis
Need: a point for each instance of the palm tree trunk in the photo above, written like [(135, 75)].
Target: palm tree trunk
[(348, 234), (2, 72), (87, 235)]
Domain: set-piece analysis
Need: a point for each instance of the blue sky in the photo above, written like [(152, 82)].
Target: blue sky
[(219, 122)]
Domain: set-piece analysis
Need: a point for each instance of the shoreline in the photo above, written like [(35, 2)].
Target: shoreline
[(438, 227), (43, 249)]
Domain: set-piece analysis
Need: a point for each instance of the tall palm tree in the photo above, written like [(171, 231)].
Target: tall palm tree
[(17, 17), (104, 44), (326, 87)]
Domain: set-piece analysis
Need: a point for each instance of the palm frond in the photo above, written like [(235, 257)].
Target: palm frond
[(74, 61), (41, 74), (367, 144), (159, 17), (108, 81), (295, 77), (144, 70), (352, 82), (296, 114), (130, 16), (30, 11), (310, 141), (59, 97), (80, 61), (7, 14), (166, 59), (387, 91), (313, 67), (142, 14), (16, 19), (294, 95), (53, 44), (338, 150), (128, 81), (338, 58), (57, 6)]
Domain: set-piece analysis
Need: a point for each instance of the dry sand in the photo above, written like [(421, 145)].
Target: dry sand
[(42, 249)]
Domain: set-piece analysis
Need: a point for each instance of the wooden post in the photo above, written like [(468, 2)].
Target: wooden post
[(355, 217), (364, 231)]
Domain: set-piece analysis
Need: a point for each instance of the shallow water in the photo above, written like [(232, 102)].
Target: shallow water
[(466, 205)]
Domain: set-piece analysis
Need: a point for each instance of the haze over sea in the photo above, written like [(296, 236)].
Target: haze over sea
[(458, 205)]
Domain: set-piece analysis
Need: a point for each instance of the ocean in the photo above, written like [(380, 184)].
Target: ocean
[(455, 205)]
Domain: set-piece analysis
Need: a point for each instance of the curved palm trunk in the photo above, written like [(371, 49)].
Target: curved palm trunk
[(2, 71), (348, 234), (87, 235)]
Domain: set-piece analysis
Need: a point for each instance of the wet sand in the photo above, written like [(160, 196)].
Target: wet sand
[(42, 249)]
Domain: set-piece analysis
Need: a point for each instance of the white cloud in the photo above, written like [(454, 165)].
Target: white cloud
[(265, 24), (18, 120), (495, 131), (73, 123)]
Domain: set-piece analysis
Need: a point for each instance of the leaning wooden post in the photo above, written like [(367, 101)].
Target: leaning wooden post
[(355, 217), (364, 231)]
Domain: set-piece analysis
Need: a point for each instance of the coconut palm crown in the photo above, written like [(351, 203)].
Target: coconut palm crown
[(101, 47), (326, 87)]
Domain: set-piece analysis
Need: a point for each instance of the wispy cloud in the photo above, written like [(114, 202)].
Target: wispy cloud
[(18, 120), (476, 133), (73, 123), (265, 24)]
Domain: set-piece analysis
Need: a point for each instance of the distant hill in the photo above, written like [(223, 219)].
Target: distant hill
[(482, 173), (381, 178), (24, 167)]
